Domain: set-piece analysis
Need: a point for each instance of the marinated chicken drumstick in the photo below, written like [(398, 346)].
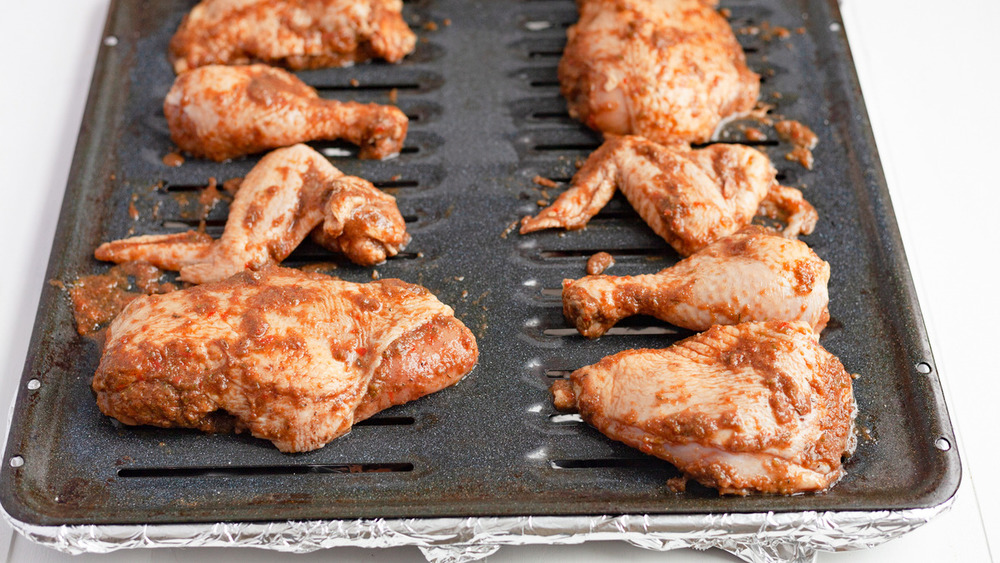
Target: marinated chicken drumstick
[(752, 275), (221, 112), (751, 407), (286, 195), (292, 357), (689, 197), (297, 34), (667, 70)]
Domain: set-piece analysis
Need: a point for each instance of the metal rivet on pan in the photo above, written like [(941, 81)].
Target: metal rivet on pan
[(924, 368), (111, 41), (834, 26), (16, 461), (34, 384), (941, 443)]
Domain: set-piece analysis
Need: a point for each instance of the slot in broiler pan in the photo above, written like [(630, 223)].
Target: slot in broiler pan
[(486, 118)]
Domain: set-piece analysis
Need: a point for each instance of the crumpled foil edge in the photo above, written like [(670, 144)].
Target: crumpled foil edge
[(785, 536)]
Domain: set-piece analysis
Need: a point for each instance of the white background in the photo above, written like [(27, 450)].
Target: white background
[(930, 73)]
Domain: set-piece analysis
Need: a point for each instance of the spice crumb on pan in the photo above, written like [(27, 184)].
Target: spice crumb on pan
[(802, 138), (599, 262), (754, 134), (677, 484), (510, 227), (173, 159), (209, 196), (544, 182), (133, 213)]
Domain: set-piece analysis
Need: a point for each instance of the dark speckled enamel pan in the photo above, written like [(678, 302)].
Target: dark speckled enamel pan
[(486, 117)]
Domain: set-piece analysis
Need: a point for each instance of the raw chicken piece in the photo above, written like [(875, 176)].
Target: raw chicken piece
[(361, 222), (668, 70), (290, 192), (221, 112), (298, 34), (292, 357), (751, 407), (690, 197), (752, 275)]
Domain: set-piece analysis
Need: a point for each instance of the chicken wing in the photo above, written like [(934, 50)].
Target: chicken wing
[(690, 197), (292, 357), (286, 195), (298, 34), (668, 70), (752, 275), (221, 112), (751, 407)]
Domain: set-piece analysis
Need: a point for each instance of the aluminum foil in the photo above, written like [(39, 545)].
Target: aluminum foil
[(796, 536)]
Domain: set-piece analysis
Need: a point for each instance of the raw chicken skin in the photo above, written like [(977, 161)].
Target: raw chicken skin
[(689, 197), (667, 70), (221, 112), (752, 275), (298, 34), (289, 193), (293, 358), (751, 407)]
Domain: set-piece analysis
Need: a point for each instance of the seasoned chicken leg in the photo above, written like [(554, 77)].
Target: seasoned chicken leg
[(294, 358), (298, 34), (289, 193), (667, 70), (690, 197), (221, 112), (751, 407), (752, 275)]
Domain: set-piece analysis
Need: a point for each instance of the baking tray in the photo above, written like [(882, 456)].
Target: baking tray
[(486, 117)]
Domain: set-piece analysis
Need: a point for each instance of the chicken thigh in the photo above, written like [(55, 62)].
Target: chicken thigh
[(667, 70), (298, 34), (751, 407), (689, 197), (221, 112), (286, 195), (292, 357), (752, 275)]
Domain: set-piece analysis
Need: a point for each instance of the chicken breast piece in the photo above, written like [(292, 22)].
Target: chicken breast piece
[(288, 194), (221, 112), (751, 407), (752, 275), (689, 197), (298, 34), (291, 357), (667, 70)]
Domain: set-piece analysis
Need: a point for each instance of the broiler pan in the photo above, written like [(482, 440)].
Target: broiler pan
[(482, 94)]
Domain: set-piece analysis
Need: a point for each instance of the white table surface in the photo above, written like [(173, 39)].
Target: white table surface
[(930, 73)]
